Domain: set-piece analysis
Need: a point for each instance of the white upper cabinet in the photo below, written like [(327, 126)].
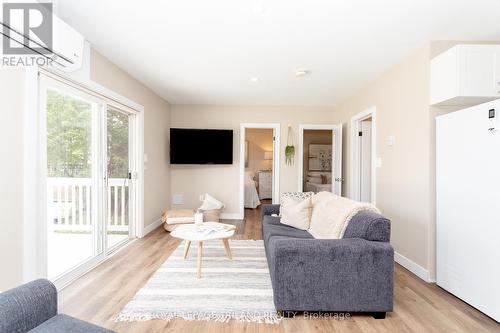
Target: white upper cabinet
[(466, 75)]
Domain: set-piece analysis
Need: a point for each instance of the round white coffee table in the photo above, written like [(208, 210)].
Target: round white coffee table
[(202, 232)]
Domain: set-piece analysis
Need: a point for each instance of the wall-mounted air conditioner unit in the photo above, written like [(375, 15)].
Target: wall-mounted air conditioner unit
[(66, 52)]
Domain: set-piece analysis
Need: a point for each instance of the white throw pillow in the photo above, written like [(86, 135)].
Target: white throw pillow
[(209, 203), (297, 214), (296, 196)]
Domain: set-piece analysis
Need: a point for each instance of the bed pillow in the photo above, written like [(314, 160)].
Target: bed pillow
[(295, 196), (297, 214), (314, 180)]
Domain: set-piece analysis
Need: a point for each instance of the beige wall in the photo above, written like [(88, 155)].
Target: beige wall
[(222, 181), (259, 140), (11, 180), (404, 182), (156, 132)]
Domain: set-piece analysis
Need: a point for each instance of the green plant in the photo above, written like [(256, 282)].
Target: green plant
[(290, 148), (289, 154)]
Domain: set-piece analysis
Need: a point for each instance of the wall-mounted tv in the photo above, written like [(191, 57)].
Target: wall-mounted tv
[(201, 146)]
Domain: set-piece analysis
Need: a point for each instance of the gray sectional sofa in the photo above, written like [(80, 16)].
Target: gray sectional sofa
[(33, 307), (352, 274)]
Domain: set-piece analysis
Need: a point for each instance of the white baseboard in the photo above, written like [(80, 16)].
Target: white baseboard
[(231, 216), (413, 267), (151, 227)]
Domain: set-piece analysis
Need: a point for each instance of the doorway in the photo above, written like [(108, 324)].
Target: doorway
[(320, 158), (363, 156), (89, 153), (259, 165)]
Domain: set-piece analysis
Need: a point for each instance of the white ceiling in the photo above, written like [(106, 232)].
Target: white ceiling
[(206, 51)]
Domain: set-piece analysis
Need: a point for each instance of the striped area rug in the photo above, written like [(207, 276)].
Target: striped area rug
[(237, 289)]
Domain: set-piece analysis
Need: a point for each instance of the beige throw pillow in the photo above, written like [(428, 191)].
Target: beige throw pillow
[(296, 214)]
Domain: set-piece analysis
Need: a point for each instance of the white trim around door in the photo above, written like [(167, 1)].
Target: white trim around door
[(355, 154), (276, 161), (337, 177)]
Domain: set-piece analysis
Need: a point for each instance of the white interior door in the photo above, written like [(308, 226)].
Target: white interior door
[(365, 152), (275, 171), (337, 159)]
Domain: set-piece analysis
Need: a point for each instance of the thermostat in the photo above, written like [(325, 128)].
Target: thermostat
[(492, 117)]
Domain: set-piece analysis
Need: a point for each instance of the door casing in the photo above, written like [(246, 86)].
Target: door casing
[(355, 173)]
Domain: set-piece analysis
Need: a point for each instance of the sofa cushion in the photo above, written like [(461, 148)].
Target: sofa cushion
[(63, 323), (271, 227), (370, 226), (268, 210), (276, 220)]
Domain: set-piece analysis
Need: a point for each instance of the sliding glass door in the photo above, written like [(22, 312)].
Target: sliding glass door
[(118, 174), (72, 178), (88, 169)]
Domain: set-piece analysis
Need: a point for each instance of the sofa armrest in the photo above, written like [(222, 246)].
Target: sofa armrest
[(370, 226), (25, 307), (269, 210), (332, 274)]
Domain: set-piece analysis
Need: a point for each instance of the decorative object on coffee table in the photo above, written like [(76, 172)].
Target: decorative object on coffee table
[(198, 217), (200, 233)]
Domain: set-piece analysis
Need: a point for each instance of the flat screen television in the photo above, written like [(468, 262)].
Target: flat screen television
[(201, 146)]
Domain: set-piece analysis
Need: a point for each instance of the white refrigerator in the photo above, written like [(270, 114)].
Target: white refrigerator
[(468, 205)]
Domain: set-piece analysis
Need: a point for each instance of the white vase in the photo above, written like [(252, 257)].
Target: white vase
[(198, 218)]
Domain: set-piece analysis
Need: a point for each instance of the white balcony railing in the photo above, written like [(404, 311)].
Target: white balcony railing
[(70, 204)]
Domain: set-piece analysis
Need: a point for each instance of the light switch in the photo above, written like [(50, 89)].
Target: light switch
[(391, 140), (378, 162), (145, 158)]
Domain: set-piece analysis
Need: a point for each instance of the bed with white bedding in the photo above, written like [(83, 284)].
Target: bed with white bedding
[(318, 182), (316, 188), (251, 195)]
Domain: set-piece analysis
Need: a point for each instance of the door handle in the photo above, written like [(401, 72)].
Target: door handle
[(340, 180)]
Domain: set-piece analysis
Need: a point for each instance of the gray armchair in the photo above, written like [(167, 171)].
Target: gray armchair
[(33, 307)]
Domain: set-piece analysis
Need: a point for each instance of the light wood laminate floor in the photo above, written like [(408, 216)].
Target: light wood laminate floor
[(100, 294)]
